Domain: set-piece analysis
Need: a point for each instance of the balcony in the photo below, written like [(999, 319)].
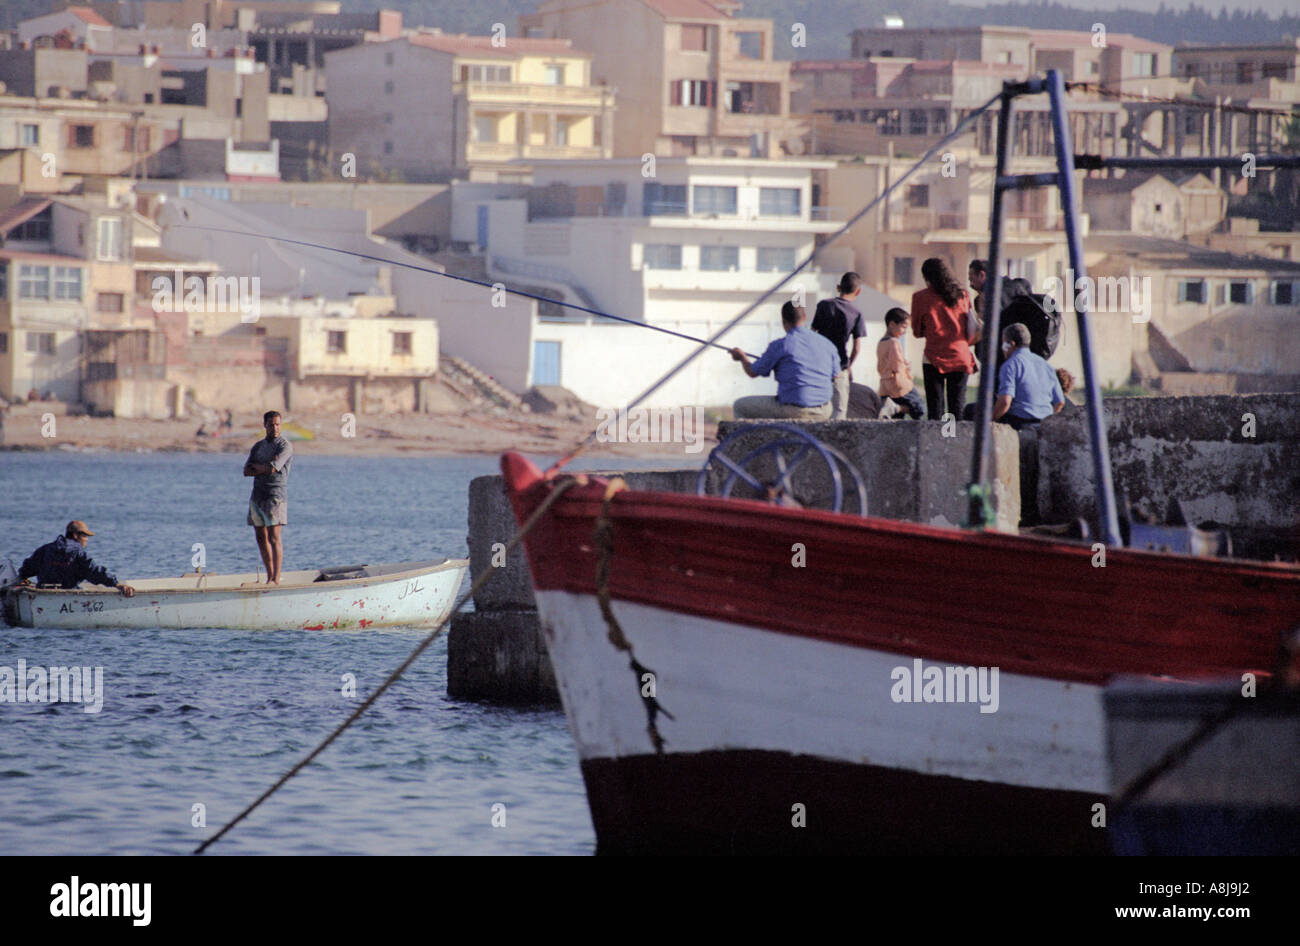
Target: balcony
[(923, 221), (517, 93), (482, 151)]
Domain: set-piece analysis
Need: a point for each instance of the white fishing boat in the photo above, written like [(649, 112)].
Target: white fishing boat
[(344, 598)]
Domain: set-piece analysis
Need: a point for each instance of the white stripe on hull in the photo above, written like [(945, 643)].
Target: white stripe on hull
[(734, 687)]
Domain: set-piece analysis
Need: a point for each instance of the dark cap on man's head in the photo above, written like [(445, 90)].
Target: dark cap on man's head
[(75, 528)]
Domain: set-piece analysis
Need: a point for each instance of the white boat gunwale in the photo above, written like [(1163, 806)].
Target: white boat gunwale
[(311, 585)]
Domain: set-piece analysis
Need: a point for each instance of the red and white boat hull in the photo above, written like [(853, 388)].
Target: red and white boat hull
[(763, 723), (745, 699)]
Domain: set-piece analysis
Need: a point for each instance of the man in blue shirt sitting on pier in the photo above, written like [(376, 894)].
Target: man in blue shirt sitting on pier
[(805, 365), (65, 564), (1028, 389)]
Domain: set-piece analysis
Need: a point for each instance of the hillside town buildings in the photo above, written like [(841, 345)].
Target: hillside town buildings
[(651, 159)]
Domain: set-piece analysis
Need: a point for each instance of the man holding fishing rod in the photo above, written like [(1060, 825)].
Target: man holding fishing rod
[(805, 365)]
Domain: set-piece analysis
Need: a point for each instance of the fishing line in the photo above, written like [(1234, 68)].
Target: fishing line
[(435, 272)]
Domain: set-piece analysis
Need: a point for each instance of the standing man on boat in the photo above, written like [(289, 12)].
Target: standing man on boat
[(268, 507), (64, 562)]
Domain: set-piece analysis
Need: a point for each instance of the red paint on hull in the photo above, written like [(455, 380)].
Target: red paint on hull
[(1025, 604)]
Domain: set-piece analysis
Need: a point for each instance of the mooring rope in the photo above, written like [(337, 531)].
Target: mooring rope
[(564, 483), (604, 539), (1284, 679), (561, 487)]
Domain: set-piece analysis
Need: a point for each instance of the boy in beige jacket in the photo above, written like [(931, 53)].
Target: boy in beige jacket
[(895, 373)]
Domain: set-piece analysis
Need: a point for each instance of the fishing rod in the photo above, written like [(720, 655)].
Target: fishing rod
[(435, 272)]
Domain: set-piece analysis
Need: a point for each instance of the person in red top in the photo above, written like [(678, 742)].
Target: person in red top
[(942, 315)]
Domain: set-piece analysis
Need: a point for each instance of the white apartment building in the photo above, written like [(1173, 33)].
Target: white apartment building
[(683, 244)]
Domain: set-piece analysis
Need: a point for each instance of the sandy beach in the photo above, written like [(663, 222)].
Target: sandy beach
[(482, 431)]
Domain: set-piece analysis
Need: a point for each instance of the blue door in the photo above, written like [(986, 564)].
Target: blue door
[(483, 226), (546, 363)]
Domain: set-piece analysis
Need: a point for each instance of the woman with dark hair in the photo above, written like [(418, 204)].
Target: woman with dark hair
[(942, 315)]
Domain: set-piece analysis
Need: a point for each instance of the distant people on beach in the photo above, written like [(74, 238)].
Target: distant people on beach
[(839, 321), (891, 362), (805, 365), (942, 315), (1028, 389)]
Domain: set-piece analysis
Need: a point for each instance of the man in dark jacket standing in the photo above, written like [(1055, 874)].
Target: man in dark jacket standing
[(64, 562), (839, 320)]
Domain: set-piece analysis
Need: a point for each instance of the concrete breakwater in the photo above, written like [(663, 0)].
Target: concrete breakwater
[(1233, 460)]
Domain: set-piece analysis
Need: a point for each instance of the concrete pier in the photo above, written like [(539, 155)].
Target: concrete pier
[(1232, 460)]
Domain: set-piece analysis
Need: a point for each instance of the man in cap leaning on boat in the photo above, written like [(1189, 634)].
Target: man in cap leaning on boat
[(268, 507), (65, 564)]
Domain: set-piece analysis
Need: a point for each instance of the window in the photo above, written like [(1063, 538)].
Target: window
[(663, 199), (30, 136), (67, 283), (33, 282), (692, 92), (917, 123), (714, 200), (109, 302), (110, 238), (4, 281), (388, 147), (903, 270), (561, 131), (81, 136), (485, 73), (401, 343), (1241, 292), (918, 195), (775, 259), (554, 75), (336, 343), (485, 128), (719, 258), (779, 201), (36, 229), (1144, 64), (1191, 290), (388, 59), (1245, 72), (4, 343), (695, 38), (749, 44), (1284, 292), (388, 87), (662, 256), (40, 343), (1191, 124), (1274, 70), (1090, 67)]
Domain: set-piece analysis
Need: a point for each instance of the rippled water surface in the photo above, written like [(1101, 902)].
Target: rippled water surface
[(214, 717)]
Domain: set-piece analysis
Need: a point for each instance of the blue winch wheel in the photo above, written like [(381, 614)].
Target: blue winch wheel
[(801, 447)]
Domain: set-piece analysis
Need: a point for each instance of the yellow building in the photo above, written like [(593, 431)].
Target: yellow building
[(692, 77), (431, 103)]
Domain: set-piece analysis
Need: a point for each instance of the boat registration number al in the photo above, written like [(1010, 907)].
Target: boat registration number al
[(71, 607)]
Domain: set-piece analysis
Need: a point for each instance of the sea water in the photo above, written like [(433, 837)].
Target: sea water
[(195, 724)]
